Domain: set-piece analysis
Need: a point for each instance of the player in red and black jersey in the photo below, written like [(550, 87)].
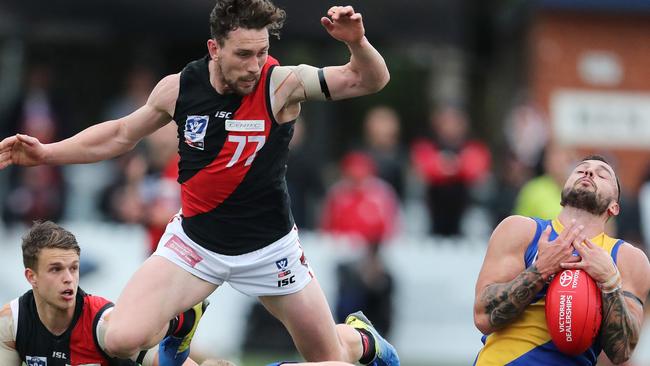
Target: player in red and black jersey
[(56, 323), (235, 110)]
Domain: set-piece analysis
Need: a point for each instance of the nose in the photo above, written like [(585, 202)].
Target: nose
[(253, 66), (68, 276)]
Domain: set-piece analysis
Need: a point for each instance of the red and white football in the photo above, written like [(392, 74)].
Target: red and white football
[(573, 311)]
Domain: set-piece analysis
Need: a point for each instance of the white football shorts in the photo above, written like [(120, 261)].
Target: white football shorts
[(280, 268)]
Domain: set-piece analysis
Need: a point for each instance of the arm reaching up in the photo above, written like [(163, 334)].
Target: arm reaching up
[(364, 74)]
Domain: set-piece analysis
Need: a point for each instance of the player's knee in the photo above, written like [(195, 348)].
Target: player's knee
[(123, 344)]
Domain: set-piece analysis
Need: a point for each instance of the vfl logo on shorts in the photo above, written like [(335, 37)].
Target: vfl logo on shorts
[(36, 361), (283, 279), (282, 264), (195, 128)]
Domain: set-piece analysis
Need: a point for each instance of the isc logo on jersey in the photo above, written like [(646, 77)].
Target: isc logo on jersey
[(223, 114), (195, 128)]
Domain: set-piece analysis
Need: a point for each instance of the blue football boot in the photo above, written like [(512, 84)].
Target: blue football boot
[(385, 353)]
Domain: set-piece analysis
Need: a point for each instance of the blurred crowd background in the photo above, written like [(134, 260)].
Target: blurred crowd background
[(490, 105)]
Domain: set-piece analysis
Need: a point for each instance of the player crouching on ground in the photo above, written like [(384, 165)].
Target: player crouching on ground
[(56, 323)]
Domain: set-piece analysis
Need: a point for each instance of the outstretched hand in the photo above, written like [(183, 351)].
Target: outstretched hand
[(344, 24), (21, 150)]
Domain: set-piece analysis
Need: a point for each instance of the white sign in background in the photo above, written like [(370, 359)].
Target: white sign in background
[(601, 119)]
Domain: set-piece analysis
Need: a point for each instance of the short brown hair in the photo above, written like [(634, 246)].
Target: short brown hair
[(229, 15), (46, 235)]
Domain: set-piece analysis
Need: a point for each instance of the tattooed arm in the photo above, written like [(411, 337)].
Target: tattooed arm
[(504, 302), (623, 309), (505, 287)]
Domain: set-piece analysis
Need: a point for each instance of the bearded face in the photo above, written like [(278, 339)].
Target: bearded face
[(584, 199), (239, 59), (241, 85)]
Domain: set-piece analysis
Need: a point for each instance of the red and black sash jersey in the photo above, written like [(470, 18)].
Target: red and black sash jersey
[(77, 346), (232, 166)]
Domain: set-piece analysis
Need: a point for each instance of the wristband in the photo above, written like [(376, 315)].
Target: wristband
[(613, 284)]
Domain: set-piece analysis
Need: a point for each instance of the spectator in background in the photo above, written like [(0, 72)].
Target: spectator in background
[(137, 87), (364, 207), (381, 135), (360, 204), (512, 174), (39, 193), (143, 196), (366, 285), (122, 201), (304, 181), (144, 190), (449, 164), (161, 192), (540, 197), (163, 204), (526, 133)]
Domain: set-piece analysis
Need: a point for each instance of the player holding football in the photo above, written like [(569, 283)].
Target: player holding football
[(56, 323), (523, 254)]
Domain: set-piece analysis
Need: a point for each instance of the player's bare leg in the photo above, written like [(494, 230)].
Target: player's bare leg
[(156, 293), (308, 318)]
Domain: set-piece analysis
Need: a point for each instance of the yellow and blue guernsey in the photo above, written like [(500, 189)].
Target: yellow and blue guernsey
[(526, 341)]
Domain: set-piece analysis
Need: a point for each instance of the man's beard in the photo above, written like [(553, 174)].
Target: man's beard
[(232, 84), (585, 200)]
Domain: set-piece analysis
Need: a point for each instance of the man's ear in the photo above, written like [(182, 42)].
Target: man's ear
[(213, 49), (613, 209), (30, 275)]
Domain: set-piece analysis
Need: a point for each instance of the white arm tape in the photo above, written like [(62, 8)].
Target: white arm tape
[(312, 80)]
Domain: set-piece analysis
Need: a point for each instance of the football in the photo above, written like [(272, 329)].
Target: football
[(573, 311)]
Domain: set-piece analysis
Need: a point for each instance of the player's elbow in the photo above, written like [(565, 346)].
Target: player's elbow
[(368, 81), (379, 81), (482, 322), (619, 350), (620, 357), (384, 79), (618, 360)]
